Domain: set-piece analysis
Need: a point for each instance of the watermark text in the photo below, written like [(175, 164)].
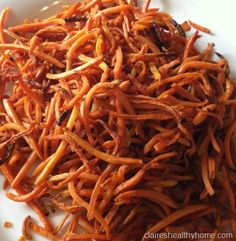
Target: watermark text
[(187, 235)]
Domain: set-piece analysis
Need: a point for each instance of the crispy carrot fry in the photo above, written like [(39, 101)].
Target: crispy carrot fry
[(199, 27), (30, 93), (205, 176), (213, 140), (99, 46), (8, 174), (84, 204), (227, 145), (114, 10), (43, 232), (71, 10), (119, 63), (112, 116), (29, 196), (2, 23), (85, 236), (89, 5), (36, 52), (95, 193), (103, 156), (148, 194), (77, 70), (37, 25), (79, 42), (198, 64), (19, 128), (161, 116), (62, 223), (177, 215), (52, 161), (189, 45), (80, 94)]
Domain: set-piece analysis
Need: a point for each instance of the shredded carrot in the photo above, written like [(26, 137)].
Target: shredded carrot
[(177, 215), (8, 224), (149, 195), (205, 176), (84, 204), (199, 27), (27, 197), (119, 63), (116, 120), (198, 64), (85, 236), (227, 146), (79, 42), (189, 45), (103, 156), (36, 207), (2, 24), (37, 25), (80, 94), (114, 10), (96, 61), (32, 94), (43, 232)]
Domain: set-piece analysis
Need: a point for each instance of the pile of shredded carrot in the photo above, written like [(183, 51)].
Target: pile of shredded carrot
[(117, 121)]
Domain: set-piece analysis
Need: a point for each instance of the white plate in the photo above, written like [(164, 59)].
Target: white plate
[(218, 16)]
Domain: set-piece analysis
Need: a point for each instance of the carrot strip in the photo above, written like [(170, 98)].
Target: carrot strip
[(198, 65), (19, 128), (199, 27), (30, 93), (71, 10), (79, 42), (96, 191), (77, 70), (2, 23), (84, 204), (146, 5), (86, 236), (107, 112), (43, 232), (177, 215), (38, 25), (8, 174), (119, 63), (29, 196), (80, 94), (52, 160), (150, 195), (227, 148), (189, 45), (114, 10), (205, 177), (213, 139), (103, 156)]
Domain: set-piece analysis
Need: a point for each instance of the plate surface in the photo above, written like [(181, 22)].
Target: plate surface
[(219, 18)]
